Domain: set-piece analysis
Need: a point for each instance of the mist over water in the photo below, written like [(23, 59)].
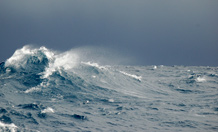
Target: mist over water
[(84, 89)]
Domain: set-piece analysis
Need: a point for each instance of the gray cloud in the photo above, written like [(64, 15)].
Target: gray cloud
[(154, 32)]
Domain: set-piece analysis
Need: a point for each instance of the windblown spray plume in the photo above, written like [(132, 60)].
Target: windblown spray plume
[(45, 90)]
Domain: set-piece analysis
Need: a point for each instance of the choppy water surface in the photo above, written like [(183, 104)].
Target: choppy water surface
[(42, 90)]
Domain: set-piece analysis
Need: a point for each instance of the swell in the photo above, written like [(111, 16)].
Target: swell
[(45, 90), (40, 68)]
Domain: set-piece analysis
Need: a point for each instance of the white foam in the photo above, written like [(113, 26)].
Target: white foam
[(48, 110), (94, 65), (17, 59), (154, 67), (33, 89), (8, 70), (161, 66), (111, 100), (66, 61), (132, 76), (200, 79), (5, 127), (49, 54), (37, 88), (18, 56), (86, 102)]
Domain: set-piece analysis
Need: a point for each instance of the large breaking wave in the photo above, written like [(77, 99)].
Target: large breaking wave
[(46, 90)]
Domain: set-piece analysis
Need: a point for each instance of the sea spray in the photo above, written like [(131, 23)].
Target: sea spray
[(46, 90)]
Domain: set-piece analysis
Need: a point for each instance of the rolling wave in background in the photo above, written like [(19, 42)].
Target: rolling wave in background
[(45, 90)]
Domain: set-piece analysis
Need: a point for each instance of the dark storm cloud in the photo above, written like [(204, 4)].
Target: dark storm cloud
[(154, 32)]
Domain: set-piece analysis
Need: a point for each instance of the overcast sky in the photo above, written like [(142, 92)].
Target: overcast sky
[(153, 32)]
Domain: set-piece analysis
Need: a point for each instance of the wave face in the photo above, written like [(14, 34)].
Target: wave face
[(45, 90)]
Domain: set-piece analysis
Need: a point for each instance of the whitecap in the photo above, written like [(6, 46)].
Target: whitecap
[(154, 67), (200, 79), (48, 110), (132, 76), (18, 56), (5, 127), (94, 65), (111, 100), (33, 89), (67, 60), (18, 59)]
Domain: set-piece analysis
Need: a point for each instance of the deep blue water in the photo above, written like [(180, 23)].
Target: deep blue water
[(43, 90)]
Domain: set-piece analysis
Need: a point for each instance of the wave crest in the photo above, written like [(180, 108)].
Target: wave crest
[(42, 68), (40, 60), (25, 56)]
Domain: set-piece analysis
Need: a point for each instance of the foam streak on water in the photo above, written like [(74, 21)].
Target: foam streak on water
[(45, 90)]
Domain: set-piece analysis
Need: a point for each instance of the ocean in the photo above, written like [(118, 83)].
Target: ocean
[(42, 90)]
